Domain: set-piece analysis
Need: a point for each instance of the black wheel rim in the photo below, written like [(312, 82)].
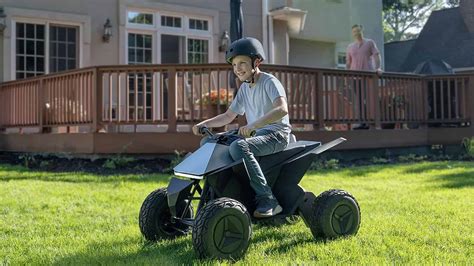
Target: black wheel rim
[(229, 234), (343, 219)]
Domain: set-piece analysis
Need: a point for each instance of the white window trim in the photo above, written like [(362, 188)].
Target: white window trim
[(18, 15), (158, 30)]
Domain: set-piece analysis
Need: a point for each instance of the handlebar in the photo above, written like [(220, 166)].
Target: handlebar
[(205, 131)]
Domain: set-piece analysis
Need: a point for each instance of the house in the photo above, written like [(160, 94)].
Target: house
[(140, 73), (448, 35), (323, 40), (47, 36)]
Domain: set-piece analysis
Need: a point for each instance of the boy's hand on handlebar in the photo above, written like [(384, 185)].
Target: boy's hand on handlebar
[(247, 131), (196, 130)]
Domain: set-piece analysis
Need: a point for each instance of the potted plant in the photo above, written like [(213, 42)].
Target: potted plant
[(215, 102)]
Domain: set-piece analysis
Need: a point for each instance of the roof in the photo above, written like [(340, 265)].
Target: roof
[(396, 53), (445, 36)]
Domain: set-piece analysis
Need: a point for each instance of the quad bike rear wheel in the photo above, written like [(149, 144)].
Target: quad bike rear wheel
[(155, 217), (335, 213)]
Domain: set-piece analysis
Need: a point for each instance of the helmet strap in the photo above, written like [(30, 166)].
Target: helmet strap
[(253, 72)]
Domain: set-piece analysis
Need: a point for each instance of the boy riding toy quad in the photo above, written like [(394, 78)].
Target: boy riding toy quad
[(222, 227), (253, 170)]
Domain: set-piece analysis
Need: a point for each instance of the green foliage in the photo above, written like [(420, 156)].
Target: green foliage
[(379, 160), (452, 3), (118, 161), (27, 159), (441, 157), (468, 146), (178, 158), (45, 164), (400, 18), (322, 164), (332, 164), (411, 158)]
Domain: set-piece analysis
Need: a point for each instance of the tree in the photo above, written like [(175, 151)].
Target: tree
[(403, 19), (452, 3)]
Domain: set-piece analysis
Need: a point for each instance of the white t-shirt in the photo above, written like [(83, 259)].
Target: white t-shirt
[(255, 102)]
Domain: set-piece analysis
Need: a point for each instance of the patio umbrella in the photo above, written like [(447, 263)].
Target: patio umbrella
[(236, 31), (434, 66), (236, 20)]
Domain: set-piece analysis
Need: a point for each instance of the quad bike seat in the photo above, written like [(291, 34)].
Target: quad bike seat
[(293, 148)]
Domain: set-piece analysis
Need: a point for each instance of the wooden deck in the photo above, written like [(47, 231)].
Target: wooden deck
[(149, 108)]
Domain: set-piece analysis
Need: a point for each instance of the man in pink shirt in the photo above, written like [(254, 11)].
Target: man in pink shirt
[(363, 55)]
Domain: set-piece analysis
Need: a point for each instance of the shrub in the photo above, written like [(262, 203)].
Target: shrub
[(379, 160), (28, 160), (411, 158), (178, 158), (118, 162), (468, 146)]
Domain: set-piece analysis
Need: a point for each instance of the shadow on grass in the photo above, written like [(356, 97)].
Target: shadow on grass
[(456, 180), (12, 173), (175, 252), (355, 171), (447, 180), (425, 167), (285, 242)]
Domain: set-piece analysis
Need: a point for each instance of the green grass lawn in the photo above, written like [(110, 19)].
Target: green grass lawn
[(411, 213)]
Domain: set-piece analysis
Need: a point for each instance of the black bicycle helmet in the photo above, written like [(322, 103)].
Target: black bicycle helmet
[(246, 46)]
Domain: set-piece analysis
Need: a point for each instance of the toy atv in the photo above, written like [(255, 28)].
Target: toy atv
[(223, 226)]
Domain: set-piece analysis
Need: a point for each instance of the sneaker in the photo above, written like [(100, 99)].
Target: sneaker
[(267, 207)]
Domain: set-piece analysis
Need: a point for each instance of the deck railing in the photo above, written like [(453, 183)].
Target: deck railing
[(184, 94)]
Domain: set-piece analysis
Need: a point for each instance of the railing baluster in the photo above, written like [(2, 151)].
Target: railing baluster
[(172, 100)]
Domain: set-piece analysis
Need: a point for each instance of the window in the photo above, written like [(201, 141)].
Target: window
[(63, 48), (140, 90), (139, 48), (30, 50), (34, 51), (197, 24), (341, 60), (168, 21), (177, 38), (140, 18), (198, 51)]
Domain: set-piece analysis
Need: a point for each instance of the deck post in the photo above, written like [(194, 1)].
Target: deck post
[(97, 100)]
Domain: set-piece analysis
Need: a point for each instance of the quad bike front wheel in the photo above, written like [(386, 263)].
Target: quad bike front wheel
[(222, 230), (155, 217), (335, 213)]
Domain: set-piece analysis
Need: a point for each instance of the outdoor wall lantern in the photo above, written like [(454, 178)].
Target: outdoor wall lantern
[(107, 31), (3, 19), (225, 39)]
